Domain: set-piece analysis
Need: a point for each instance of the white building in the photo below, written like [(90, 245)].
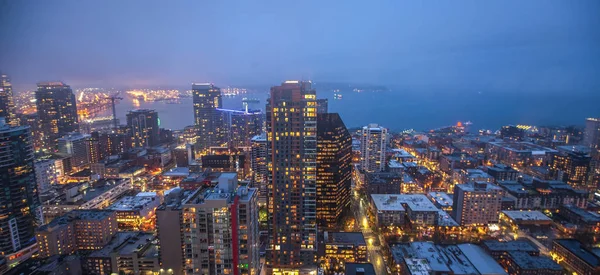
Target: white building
[(46, 174), (373, 147), (390, 209)]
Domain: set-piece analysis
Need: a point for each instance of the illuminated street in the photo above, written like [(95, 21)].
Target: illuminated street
[(360, 209)]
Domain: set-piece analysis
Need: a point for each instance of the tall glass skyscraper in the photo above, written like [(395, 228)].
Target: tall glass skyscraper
[(57, 112), (7, 104), (19, 197), (144, 128), (334, 169), (208, 120), (292, 161)]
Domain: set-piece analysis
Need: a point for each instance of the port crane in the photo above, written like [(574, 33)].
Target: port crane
[(114, 111)]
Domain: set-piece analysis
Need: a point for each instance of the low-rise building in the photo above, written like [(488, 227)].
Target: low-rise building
[(342, 248), (76, 230), (136, 212), (575, 256), (586, 221), (383, 183), (127, 253), (517, 218), (424, 258), (476, 203), (391, 209), (442, 200), (543, 194), (88, 195), (501, 172)]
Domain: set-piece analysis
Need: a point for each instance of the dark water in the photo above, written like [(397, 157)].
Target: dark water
[(420, 111)]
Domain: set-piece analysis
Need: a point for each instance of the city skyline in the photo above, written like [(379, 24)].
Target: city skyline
[(398, 44)]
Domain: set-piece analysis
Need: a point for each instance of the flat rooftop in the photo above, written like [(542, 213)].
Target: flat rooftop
[(441, 198), (528, 262), (575, 247), (519, 245), (478, 186), (177, 172), (358, 268), (526, 215), (123, 243), (523, 147), (355, 238), (395, 202), (444, 219), (483, 262), (129, 203)]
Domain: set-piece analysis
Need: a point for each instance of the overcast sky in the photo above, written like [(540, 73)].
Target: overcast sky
[(502, 45)]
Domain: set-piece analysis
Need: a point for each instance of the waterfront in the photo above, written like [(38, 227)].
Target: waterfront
[(420, 111)]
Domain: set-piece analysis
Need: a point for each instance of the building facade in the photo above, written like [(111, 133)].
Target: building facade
[(211, 230), (334, 169), (7, 104), (477, 203), (208, 120), (19, 198), (57, 112), (591, 134), (143, 125), (76, 146), (372, 148), (292, 196), (241, 126), (258, 164)]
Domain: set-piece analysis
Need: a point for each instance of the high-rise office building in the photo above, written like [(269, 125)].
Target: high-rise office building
[(111, 144), (241, 126), (19, 196), (373, 144), (33, 121), (93, 148), (143, 125), (334, 170), (258, 164), (7, 104), (211, 230), (57, 112), (292, 198), (75, 145), (208, 120), (591, 134), (477, 203)]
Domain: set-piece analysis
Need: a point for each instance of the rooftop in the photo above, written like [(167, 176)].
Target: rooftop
[(483, 262), (125, 243), (526, 215), (441, 198), (356, 268), (519, 245), (137, 202), (523, 147), (575, 247), (526, 261), (586, 216), (478, 186), (79, 214), (396, 202), (444, 219), (355, 238)]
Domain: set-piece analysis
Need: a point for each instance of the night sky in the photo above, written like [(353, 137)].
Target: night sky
[(547, 46)]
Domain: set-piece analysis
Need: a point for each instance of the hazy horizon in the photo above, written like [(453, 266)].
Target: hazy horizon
[(531, 46)]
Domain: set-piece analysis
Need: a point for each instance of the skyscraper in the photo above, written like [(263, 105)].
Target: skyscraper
[(57, 111), (591, 135), (258, 164), (292, 156), (372, 148), (19, 197), (241, 126), (143, 125), (208, 120), (334, 170), (7, 104)]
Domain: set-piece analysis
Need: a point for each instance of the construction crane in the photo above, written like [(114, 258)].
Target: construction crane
[(114, 110)]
